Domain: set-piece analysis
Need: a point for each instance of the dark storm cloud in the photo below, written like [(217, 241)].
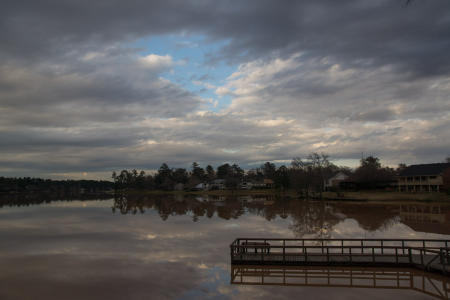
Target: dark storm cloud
[(49, 139), (378, 115), (414, 37), (77, 95)]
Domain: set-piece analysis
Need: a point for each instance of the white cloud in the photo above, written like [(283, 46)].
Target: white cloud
[(157, 62), (222, 91)]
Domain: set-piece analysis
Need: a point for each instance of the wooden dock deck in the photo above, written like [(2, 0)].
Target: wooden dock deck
[(428, 255)]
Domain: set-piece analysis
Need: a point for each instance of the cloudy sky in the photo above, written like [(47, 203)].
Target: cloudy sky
[(87, 87)]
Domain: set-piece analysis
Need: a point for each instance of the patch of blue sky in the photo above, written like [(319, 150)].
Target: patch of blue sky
[(196, 68)]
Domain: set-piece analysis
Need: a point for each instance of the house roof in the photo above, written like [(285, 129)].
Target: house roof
[(425, 169), (334, 174)]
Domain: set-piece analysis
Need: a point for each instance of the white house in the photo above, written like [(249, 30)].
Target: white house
[(334, 180)]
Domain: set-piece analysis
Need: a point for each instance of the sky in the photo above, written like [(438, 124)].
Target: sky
[(88, 87)]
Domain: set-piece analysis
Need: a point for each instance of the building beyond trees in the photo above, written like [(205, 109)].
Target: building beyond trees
[(309, 177), (425, 178)]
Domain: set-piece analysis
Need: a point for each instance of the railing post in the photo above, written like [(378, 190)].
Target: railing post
[(396, 255), (373, 254), (328, 255), (410, 256), (421, 257), (350, 253), (241, 250), (284, 251), (382, 249), (362, 247), (446, 258), (342, 246), (403, 247)]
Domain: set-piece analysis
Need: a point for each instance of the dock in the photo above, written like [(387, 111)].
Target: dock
[(425, 254)]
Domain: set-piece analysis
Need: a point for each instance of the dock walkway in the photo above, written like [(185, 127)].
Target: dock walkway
[(429, 255)]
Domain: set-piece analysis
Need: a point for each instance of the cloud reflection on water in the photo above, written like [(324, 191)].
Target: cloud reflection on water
[(177, 248)]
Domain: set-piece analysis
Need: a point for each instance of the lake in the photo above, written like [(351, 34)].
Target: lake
[(177, 247)]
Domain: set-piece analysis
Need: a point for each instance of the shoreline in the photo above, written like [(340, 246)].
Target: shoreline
[(360, 196)]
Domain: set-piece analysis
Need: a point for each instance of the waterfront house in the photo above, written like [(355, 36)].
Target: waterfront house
[(217, 184), (335, 180), (245, 185), (424, 178), (269, 183), (200, 187)]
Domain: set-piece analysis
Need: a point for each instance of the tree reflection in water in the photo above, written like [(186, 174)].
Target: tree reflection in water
[(307, 218), (312, 218), (36, 198)]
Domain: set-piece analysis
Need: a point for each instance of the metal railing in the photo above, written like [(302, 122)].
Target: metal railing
[(428, 254)]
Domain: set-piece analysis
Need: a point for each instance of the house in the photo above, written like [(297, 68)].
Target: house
[(265, 184), (217, 184), (335, 180), (246, 185), (200, 187), (269, 183), (424, 178)]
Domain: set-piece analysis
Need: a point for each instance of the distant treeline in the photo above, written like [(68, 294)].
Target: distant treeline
[(306, 176), (58, 187)]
